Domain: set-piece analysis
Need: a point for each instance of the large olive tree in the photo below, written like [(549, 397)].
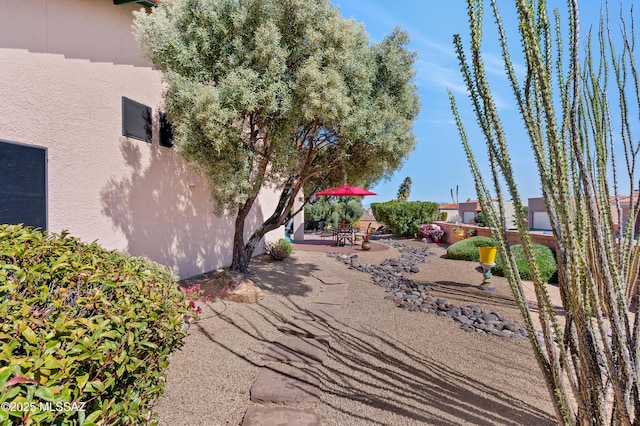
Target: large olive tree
[(281, 95), (591, 357)]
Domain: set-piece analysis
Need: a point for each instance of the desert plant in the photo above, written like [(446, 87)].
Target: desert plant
[(404, 190), (247, 94), (591, 363), (84, 328), (279, 250)]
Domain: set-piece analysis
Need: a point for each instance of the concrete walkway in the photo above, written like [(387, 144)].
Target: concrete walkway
[(305, 341)]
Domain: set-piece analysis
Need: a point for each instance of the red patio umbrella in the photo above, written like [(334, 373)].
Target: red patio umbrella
[(346, 190)]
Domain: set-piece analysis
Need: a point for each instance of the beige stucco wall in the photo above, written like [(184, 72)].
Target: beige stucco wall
[(64, 67)]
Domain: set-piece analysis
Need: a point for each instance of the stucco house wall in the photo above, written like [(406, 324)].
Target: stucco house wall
[(64, 67), (452, 212), (468, 210), (538, 217)]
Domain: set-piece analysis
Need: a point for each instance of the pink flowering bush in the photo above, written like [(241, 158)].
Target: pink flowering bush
[(432, 231), (194, 293)]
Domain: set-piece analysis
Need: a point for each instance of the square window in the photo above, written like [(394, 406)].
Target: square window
[(166, 134), (136, 120)]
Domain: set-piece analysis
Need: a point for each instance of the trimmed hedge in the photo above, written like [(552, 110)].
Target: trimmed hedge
[(404, 218), (467, 249), (545, 259), (83, 328)]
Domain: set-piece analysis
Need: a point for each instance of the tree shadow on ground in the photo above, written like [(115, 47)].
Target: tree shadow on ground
[(391, 375), (266, 273), (383, 374)]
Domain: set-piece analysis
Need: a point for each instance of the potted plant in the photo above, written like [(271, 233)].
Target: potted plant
[(472, 233), (431, 232), (458, 232), (365, 242), (487, 261), (436, 235)]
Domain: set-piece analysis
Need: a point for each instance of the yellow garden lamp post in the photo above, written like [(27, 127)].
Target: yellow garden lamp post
[(487, 261)]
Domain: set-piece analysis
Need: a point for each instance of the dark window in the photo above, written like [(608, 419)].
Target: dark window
[(23, 184), (166, 135), (136, 120)]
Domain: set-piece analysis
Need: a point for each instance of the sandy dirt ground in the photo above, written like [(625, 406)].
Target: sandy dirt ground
[(386, 365)]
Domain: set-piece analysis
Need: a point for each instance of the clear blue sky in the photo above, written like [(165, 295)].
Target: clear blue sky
[(438, 164)]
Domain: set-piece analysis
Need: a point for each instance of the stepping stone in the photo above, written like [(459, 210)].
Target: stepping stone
[(336, 288), (297, 349), (311, 329), (330, 279), (319, 312), (282, 383), (331, 298), (280, 416)]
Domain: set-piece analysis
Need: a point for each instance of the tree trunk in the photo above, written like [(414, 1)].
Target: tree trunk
[(240, 262), (242, 253)]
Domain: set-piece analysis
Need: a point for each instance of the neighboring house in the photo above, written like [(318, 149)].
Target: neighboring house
[(625, 207), (83, 144), (452, 212), (538, 217), (471, 208), (468, 211)]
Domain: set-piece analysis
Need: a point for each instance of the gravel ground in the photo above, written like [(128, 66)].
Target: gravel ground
[(385, 366)]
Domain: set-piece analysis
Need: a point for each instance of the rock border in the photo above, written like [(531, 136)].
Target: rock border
[(393, 274)]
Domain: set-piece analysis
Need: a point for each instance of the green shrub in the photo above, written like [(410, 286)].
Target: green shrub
[(333, 210), (468, 249), (83, 327), (280, 250), (404, 218), (545, 259), (480, 219)]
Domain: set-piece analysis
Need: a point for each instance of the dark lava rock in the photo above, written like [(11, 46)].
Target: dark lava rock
[(392, 275)]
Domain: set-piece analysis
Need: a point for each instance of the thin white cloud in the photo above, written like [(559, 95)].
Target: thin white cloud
[(437, 77)]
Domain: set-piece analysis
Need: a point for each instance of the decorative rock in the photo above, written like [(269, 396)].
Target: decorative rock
[(311, 329), (242, 290), (331, 298), (489, 317), (414, 269), (274, 416), (330, 279), (319, 312), (297, 349), (392, 275), (283, 383), (462, 319)]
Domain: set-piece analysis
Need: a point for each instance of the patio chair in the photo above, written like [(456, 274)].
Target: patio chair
[(345, 233)]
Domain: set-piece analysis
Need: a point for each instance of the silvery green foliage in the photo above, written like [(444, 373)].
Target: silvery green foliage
[(591, 363), (280, 93)]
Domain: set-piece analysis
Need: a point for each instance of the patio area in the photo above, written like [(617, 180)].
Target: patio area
[(314, 242)]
